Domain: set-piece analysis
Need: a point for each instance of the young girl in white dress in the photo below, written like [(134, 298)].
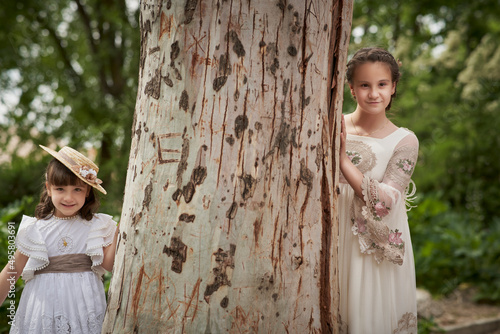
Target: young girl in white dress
[(63, 252), (377, 159)]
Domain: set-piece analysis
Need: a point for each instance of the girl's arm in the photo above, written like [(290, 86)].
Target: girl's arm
[(351, 173), (109, 252), (10, 274)]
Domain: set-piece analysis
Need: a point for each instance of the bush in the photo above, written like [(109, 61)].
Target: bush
[(451, 248), (8, 216)]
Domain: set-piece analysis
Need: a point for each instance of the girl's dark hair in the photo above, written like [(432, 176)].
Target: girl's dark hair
[(373, 55), (59, 175)]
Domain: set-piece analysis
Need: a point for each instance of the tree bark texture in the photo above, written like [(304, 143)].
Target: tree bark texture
[(229, 219)]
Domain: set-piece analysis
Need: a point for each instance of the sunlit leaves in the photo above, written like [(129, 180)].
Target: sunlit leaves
[(75, 82)]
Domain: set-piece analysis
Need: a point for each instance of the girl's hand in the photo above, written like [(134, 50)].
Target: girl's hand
[(343, 139), (350, 172)]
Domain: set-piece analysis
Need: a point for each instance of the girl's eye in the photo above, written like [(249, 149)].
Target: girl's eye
[(59, 189)]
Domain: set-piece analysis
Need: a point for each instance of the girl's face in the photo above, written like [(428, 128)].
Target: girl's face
[(68, 200), (372, 87)]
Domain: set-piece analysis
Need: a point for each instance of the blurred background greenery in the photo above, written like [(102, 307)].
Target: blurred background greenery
[(68, 75)]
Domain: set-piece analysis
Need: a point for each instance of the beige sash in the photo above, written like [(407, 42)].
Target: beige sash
[(69, 263)]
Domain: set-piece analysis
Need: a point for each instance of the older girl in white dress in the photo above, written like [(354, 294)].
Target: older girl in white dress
[(377, 159)]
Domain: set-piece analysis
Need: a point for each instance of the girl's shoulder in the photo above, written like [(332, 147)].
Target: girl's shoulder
[(103, 219), (27, 221), (28, 218), (408, 131), (409, 137)]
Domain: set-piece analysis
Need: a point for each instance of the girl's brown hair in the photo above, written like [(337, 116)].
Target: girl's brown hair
[(59, 175), (373, 55)]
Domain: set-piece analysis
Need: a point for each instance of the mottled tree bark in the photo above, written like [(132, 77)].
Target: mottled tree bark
[(229, 220)]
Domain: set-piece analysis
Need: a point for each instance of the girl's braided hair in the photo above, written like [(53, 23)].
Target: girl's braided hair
[(373, 55)]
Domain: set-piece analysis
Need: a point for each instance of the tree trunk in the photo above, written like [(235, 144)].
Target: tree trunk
[(229, 220)]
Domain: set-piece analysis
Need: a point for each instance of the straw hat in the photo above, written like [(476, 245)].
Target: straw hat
[(80, 165)]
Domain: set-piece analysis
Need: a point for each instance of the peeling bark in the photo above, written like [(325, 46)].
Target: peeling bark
[(229, 219)]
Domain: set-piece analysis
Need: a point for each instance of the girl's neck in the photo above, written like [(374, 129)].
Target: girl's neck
[(365, 124)]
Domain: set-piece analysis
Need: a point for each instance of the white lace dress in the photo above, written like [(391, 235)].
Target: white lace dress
[(62, 302), (377, 271)]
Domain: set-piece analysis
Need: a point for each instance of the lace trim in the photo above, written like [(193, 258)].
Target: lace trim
[(39, 263), (62, 325), (401, 165), (407, 324), (41, 259), (361, 155), (374, 235), (409, 195)]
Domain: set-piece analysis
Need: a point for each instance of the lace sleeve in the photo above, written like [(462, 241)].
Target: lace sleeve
[(371, 214), (402, 164)]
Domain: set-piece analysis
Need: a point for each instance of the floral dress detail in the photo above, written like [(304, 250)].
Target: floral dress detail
[(62, 302), (377, 271)]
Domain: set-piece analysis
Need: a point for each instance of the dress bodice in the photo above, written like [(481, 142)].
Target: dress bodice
[(64, 236), (371, 155)]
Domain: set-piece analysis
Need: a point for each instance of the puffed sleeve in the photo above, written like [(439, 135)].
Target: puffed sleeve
[(101, 235), (383, 203), (29, 241)]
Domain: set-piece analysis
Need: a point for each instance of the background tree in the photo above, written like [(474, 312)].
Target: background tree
[(229, 220)]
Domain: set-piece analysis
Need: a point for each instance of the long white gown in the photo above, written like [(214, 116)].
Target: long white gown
[(62, 302), (377, 271)]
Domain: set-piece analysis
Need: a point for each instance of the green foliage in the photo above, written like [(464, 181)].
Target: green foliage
[(14, 211), (20, 178), (10, 217), (452, 248), (428, 326), (74, 66)]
